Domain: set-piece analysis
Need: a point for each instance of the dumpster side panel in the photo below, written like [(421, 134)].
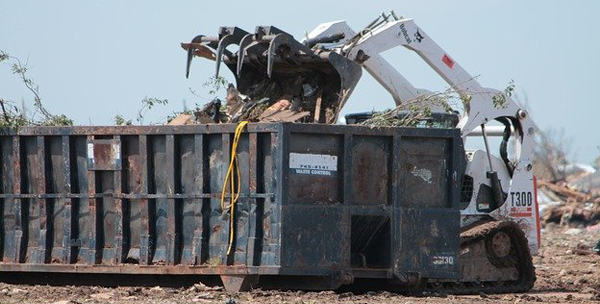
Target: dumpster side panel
[(314, 200), (136, 195), (427, 213), (386, 202)]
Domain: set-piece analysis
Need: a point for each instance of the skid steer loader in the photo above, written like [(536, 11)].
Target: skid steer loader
[(499, 214)]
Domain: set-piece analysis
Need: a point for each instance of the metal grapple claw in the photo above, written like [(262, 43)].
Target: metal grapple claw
[(244, 43), (199, 46), (213, 48), (255, 45), (289, 48), (228, 36), (272, 64)]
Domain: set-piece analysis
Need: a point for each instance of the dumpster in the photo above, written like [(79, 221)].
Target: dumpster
[(320, 206)]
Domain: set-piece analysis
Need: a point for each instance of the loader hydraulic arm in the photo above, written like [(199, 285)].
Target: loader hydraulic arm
[(484, 104), (398, 86)]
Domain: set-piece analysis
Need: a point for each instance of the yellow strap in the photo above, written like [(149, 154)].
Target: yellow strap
[(235, 194)]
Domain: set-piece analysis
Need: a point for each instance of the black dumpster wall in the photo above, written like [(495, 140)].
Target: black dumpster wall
[(315, 199)]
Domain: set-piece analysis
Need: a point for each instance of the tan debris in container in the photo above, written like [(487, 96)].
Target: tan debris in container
[(281, 105), (286, 116), (234, 101), (181, 119)]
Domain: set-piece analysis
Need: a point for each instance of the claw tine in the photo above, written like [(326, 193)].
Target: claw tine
[(223, 43), (245, 42), (190, 55), (276, 42)]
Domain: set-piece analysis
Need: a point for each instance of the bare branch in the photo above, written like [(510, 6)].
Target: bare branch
[(15, 117)]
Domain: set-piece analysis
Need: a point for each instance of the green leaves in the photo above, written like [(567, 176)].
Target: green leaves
[(151, 102), (499, 100), (57, 120), (121, 121), (4, 56), (147, 104), (215, 84), (18, 69)]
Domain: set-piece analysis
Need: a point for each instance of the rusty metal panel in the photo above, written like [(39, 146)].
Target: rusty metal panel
[(188, 180), (370, 176), (83, 230), (425, 171), (104, 154), (144, 227), (218, 221), (56, 183), (67, 218), (8, 218)]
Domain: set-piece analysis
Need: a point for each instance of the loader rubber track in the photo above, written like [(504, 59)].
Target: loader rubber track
[(520, 258)]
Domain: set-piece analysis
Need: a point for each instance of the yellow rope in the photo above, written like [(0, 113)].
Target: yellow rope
[(235, 194)]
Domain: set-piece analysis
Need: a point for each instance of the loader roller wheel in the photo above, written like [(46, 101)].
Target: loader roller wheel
[(499, 249)]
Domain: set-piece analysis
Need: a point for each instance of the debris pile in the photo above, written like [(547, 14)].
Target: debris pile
[(561, 203), (238, 107)]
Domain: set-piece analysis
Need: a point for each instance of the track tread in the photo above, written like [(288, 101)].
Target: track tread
[(479, 232)]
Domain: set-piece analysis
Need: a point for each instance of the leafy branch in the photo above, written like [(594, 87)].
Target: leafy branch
[(499, 100), (215, 84), (418, 110), (147, 105), (413, 112)]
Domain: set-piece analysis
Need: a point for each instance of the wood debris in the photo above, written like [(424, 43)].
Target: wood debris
[(181, 119), (570, 206), (286, 116), (279, 106), (239, 107)]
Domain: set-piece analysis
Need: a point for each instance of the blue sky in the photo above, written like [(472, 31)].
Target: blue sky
[(94, 59)]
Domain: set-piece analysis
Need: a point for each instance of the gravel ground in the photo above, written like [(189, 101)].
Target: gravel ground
[(565, 273)]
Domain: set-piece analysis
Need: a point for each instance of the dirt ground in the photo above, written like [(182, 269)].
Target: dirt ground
[(565, 273)]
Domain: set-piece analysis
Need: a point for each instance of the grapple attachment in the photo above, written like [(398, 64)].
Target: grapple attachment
[(272, 64)]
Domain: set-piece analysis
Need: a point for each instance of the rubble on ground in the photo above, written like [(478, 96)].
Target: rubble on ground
[(588, 182), (563, 204), (563, 275)]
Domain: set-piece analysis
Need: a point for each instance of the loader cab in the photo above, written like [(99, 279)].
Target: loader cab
[(438, 120)]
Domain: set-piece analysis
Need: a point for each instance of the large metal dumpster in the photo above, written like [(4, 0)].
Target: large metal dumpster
[(320, 205)]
